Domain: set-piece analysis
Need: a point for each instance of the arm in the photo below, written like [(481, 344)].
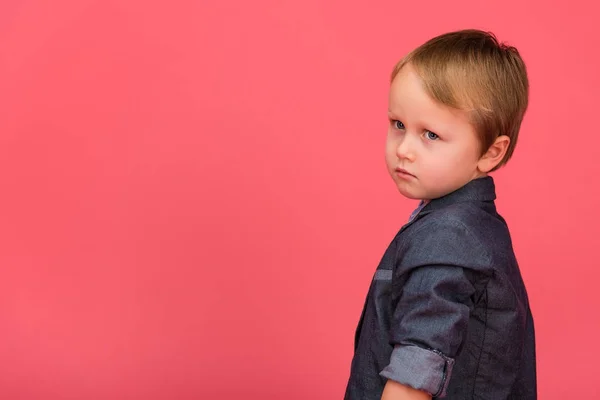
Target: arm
[(432, 314), (397, 391)]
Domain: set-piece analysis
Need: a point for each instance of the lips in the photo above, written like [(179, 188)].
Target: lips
[(403, 173)]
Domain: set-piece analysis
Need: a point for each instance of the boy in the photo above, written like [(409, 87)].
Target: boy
[(447, 314)]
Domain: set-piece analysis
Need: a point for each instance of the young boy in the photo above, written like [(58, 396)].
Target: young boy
[(447, 314)]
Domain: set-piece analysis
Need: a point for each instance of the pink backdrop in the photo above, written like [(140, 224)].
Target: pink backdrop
[(194, 196)]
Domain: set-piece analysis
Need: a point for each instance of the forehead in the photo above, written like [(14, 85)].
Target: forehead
[(409, 100), (407, 91)]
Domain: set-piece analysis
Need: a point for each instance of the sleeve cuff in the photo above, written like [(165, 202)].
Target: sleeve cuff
[(427, 370)]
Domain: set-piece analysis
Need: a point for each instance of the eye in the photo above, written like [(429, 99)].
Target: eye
[(431, 136), (397, 124)]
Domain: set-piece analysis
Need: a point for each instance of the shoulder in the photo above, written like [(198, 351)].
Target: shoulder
[(457, 220), (449, 236)]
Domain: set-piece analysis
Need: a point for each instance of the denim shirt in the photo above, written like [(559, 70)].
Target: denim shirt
[(447, 310)]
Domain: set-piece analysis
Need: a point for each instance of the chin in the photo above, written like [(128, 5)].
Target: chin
[(408, 193)]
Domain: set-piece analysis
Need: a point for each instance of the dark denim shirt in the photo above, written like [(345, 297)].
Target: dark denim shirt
[(447, 311)]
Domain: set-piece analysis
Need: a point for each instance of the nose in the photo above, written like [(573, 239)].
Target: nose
[(405, 149)]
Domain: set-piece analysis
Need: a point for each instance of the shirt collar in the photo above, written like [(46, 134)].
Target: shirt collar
[(480, 189)]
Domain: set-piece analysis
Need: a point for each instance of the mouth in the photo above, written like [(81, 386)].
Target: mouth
[(402, 173)]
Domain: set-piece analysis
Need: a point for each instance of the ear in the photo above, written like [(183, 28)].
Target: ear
[(494, 154)]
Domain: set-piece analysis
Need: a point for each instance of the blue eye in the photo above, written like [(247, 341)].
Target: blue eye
[(398, 124), (431, 136)]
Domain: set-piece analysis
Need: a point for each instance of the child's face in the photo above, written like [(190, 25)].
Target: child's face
[(431, 150)]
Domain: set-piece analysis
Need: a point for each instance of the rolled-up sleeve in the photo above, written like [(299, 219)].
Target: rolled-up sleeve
[(432, 314), (422, 369)]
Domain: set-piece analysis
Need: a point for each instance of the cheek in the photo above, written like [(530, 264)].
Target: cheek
[(464, 155), (390, 160), (390, 147)]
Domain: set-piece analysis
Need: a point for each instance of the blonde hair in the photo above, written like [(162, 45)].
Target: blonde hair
[(471, 71)]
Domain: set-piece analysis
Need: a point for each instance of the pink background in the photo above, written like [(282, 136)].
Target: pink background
[(194, 195)]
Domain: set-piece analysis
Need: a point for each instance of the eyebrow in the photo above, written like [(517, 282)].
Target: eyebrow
[(424, 125)]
